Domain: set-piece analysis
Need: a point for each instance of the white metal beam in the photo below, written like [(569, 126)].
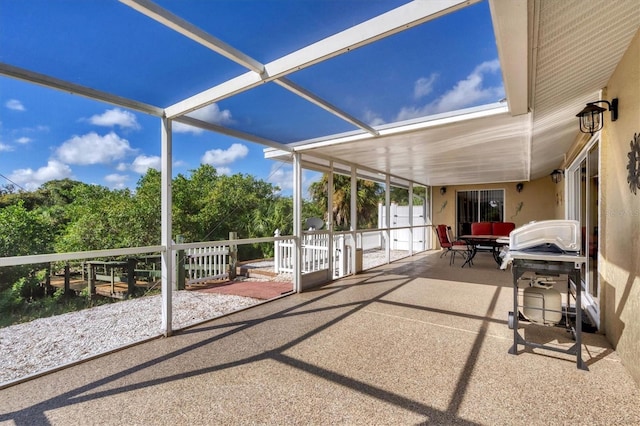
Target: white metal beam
[(76, 89), (459, 116), (189, 30), (304, 93), (392, 22), (231, 132), (185, 28)]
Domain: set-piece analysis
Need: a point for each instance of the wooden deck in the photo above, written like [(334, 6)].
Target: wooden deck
[(119, 290)]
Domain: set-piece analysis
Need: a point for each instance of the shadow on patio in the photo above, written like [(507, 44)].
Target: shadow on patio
[(412, 342)]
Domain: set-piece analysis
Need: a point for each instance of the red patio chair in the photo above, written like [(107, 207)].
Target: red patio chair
[(451, 246)]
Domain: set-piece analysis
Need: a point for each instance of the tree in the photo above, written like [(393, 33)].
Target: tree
[(368, 195), (400, 196), (99, 218), (23, 233)]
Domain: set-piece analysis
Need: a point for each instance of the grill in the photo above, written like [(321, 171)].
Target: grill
[(546, 249), (555, 236)]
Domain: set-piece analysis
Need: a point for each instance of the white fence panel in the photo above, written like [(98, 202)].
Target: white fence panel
[(400, 216), (206, 263), (315, 252), (283, 255), (372, 240)]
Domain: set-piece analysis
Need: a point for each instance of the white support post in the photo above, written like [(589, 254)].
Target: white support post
[(354, 217), (330, 245), (276, 253), (387, 203), (410, 218), (429, 208), (165, 230), (297, 222)]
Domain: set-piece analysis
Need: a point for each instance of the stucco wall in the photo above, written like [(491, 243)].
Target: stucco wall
[(620, 213), (540, 199)]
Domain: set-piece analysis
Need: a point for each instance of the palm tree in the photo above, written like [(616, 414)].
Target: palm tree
[(368, 195)]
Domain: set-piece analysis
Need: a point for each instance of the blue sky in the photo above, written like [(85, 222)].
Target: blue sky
[(444, 65)]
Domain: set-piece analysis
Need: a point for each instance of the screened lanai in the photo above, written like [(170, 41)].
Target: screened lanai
[(282, 63), (335, 86)]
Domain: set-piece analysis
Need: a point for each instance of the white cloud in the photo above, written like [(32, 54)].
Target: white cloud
[(185, 128), (116, 180), (15, 105), (5, 148), (31, 179), (24, 140), (210, 113), (115, 117), (94, 149), (223, 170), (467, 92), (223, 157), (424, 86), (281, 175), (142, 163), (372, 118)]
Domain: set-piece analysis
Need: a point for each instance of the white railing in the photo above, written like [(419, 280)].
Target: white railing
[(315, 249), (343, 249), (206, 263), (283, 254), (315, 252)]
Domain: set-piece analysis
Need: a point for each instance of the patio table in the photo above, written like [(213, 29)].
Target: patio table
[(493, 242)]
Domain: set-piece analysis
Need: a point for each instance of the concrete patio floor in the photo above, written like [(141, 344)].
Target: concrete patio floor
[(413, 342)]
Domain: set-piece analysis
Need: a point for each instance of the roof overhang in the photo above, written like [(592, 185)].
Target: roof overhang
[(475, 145)]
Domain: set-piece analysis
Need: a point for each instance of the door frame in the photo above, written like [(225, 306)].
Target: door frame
[(573, 211)]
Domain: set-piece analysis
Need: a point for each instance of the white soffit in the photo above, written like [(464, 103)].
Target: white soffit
[(510, 26), (576, 46), (471, 149)]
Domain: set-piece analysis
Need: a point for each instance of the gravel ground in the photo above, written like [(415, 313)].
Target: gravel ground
[(46, 343)]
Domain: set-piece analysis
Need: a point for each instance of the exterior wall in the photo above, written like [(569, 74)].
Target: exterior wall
[(540, 199), (620, 216)]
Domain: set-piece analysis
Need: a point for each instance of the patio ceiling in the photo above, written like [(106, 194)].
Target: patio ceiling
[(547, 78)]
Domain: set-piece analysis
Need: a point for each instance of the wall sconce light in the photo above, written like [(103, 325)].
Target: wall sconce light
[(591, 116), (443, 190), (519, 187), (556, 175)]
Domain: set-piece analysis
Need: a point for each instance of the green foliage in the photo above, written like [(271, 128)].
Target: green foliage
[(400, 196), (368, 195), (69, 216), (22, 233)]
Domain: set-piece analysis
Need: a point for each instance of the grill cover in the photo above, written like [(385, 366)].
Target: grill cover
[(547, 235)]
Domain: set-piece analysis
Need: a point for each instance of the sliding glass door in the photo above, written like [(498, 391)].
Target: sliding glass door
[(478, 206), (583, 206)]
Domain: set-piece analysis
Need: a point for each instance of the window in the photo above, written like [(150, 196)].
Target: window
[(485, 205)]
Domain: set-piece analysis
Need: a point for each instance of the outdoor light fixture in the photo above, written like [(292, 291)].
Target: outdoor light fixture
[(556, 175), (519, 187), (443, 190), (591, 116)]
